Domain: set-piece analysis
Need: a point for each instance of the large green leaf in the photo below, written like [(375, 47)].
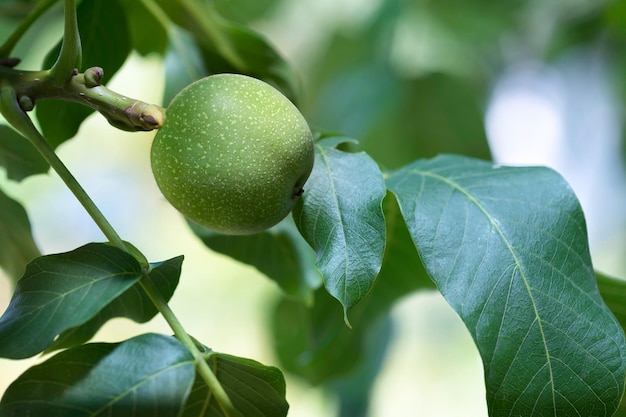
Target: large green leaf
[(341, 217), (280, 253), (134, 304), (106, 43), (507, 248), (59, 292), (256, 390), (18, 156), (17, 246), (149, 375)]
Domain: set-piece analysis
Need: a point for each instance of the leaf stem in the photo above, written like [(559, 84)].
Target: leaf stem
[(70, 56), (13, 113), (63, 81), (202, 366), (9, 44), (123, 112)]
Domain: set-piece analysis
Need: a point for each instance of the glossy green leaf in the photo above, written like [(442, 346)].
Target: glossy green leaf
[(256, 390), (340, 215), (507, 248), (133, 304), (230, 47), (280, 253), (17, 246), (183, 63), (314, 343), (59, 292), (146, 376), (102, 47), (19, 158)]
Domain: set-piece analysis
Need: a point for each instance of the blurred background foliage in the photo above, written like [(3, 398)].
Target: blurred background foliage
[(516, 81)]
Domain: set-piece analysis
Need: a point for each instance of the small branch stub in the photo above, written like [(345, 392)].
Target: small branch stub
[(93, 77), (83, 88), (26, 103), (122, 112)]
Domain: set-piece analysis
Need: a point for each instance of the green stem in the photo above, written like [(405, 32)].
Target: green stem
[(84, 88), (70, 55), (19, 120), (202, 366), (10, 109), (9, 44)]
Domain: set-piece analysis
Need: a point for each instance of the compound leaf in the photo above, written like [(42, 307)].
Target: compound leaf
[(59, 292), (507, 248), (133, 304), (340, 215), (256, 390), (149, 375)]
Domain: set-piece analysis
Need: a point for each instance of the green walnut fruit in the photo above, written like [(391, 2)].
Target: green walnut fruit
[(233, 154)]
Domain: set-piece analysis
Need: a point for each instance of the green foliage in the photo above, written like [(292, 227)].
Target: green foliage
[(59, 292), (524, 287), (77, 382), (18, 157), (264, 387), (133, 304), (16, 238), (280, 253), (341, 217), (101, 47), (230, 47), (507, 247)]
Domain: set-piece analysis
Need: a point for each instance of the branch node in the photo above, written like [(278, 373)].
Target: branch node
[(93, 77), (26, 103)]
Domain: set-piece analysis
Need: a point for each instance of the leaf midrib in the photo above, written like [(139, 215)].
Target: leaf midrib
[(516, 260), (340, 219)]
